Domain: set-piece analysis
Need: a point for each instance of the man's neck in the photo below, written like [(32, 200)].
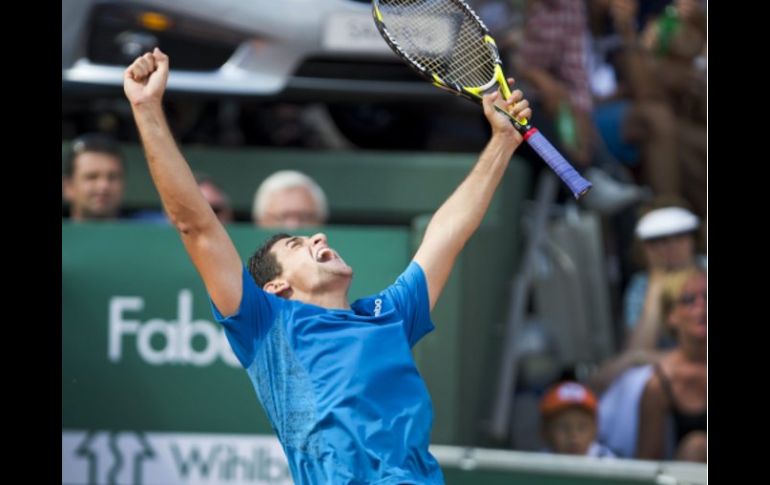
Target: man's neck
[(334, 295), (331, 301)]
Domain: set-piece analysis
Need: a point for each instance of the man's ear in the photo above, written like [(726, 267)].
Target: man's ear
[(278, 287)]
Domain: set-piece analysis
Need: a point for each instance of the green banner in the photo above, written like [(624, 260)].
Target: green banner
[(140, 349)]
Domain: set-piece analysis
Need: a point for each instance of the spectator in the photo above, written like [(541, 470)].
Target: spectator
[(93, 178), (552, 57), (663, 124), (289, 199), (569, 422), (655, 386), (218, 200), (667, 237), (677, 387)]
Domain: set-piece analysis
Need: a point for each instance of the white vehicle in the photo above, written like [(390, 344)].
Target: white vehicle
[(326, 51)]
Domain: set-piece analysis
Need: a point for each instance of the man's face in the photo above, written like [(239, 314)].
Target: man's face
[(291, 208), (309, 264), (670, 253), (95, 190), (218, 201), (571, 431)]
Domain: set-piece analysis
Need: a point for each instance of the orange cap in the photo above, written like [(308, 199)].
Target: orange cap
[(567, 395)]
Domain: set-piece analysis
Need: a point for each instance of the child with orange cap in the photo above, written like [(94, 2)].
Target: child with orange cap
[(569, 423)]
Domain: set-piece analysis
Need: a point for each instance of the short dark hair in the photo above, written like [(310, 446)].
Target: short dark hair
[(91, 142), (263, 265)]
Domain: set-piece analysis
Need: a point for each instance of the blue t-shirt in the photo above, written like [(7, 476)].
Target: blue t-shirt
[(340, 387)]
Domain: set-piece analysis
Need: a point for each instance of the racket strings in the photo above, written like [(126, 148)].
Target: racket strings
[(467, 62), (442, 37)]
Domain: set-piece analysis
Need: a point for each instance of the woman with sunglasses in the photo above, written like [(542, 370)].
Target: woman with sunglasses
[(674, 398)]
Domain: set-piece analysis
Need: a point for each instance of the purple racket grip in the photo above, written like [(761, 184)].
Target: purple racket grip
[(576, 183)]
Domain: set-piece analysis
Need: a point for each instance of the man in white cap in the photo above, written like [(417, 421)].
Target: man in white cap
[(667, 235)]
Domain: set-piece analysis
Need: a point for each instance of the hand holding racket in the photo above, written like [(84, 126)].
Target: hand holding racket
[(446, 42)]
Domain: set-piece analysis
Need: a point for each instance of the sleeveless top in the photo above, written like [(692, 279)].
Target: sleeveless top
[(684, 422)]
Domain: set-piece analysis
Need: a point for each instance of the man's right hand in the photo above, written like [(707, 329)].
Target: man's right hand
[(516, 105), (144, 81)]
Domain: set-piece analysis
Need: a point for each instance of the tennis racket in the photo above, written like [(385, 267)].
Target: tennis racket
[(447, 43)]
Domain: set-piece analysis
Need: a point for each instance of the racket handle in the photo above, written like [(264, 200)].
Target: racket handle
[(576, 183)]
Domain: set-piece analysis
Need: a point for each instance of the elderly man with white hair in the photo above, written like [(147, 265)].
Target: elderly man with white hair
[(289, 199)]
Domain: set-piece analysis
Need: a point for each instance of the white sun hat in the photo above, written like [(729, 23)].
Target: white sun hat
[(666, 222)]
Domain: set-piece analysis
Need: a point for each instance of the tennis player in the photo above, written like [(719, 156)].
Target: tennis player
[(336, 379)]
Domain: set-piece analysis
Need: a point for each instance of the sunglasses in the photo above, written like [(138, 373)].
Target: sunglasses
[(689, 299)]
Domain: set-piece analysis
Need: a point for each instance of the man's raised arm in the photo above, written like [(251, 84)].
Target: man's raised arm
[(208, 244), (459, 217)]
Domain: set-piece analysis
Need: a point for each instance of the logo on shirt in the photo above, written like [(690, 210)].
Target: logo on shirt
[(377, 307)]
